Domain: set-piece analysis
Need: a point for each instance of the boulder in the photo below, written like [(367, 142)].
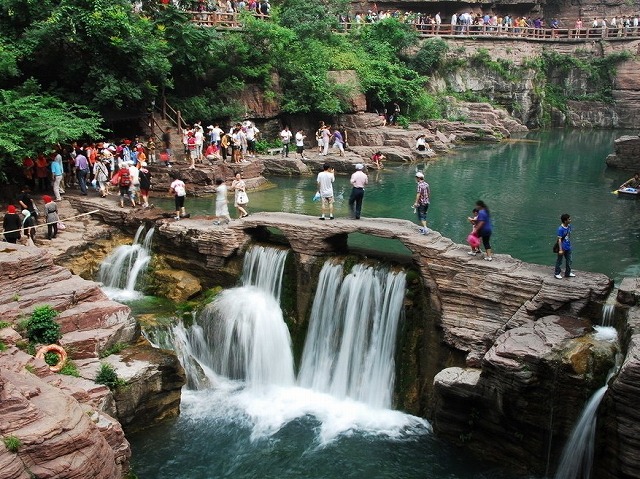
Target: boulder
[(509, 410), (58, 438), (176, 285), (626, 153)]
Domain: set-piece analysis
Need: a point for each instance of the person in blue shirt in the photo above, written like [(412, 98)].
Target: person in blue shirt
[(483, 228), (564, 247)]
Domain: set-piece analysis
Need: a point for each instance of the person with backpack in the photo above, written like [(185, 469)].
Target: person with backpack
[(123, 179)]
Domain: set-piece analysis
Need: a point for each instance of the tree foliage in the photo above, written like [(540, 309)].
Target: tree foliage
[(64, 62), (32, 122)]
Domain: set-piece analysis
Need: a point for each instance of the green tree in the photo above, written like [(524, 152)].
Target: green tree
[(32, 122)]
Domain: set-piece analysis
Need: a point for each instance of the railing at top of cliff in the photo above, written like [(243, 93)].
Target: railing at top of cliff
[(231, 21)]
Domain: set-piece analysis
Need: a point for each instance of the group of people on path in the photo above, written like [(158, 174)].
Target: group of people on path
[(222, 216)]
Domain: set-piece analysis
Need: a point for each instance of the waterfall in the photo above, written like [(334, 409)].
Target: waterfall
[(241, 335), (577, 456), (350, 346), (248, 336), (263, 268), (608, 311), (119, 272)]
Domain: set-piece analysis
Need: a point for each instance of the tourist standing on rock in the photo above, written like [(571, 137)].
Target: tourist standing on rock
[(179, 191), (241, 199), (28, 226), (11, 222), (319, 140), (101, 174), (51, 216), (144, 177), (564, 247), (300, 136), (27, 202), (252, 135), (358, 181), (82, 171), (285, 137), (326, 139), (421, 203), (325, 188), (123, 179), (166, 145), (222, 203), (484, 228), (57, 171), (338, 141)]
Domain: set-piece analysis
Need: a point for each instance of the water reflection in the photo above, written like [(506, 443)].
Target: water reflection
[(527, 183)]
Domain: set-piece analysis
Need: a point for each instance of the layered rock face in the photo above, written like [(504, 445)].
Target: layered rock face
[(521, 404), (66, 424), (626, 153), (619, 413), (58, 438)]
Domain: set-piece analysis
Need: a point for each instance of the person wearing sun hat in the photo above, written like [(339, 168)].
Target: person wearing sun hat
[(359, 180), (11, 223), (421, 203)]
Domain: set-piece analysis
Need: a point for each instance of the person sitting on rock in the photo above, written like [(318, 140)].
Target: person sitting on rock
[(421, 143)]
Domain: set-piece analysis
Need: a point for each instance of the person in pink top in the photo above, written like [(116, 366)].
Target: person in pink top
[(358, 180)]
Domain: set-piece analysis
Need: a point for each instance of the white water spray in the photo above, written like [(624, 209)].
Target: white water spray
[(119, 272), (263, 268), (350, 346)]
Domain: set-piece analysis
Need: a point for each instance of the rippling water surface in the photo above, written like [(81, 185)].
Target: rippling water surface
[(527, 184)]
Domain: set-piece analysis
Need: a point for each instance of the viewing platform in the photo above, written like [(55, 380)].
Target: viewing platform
[(233, 21)]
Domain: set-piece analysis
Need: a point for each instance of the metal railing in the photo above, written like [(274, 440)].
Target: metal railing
[(220, 20), (223, 20)]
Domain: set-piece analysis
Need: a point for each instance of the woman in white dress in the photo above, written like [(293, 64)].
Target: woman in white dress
[(241, 199)]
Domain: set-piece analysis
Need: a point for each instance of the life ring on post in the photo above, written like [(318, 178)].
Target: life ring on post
[(53, 348)]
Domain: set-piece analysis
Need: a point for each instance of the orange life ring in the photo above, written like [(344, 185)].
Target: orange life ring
[(53, 348)]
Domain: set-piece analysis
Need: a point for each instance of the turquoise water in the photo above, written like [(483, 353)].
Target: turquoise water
[(527, 184)]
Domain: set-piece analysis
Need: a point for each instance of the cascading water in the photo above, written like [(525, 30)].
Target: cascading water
[(120, 271), (352, 332), (263, 268), (577, 456)]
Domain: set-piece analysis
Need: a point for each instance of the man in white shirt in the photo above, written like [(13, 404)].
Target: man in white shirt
[(325, 188), (358, 180), (285, 137), (300, 136), (215, 134), (251, 133)]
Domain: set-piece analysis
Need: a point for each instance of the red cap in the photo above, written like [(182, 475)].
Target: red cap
[(11, 209), (47, 198)]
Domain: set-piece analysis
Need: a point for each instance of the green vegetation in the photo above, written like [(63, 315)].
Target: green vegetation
[(12, 443), (3, 347), (66, 64), (51, 358), (107, 375), (115, 349), (70, 369), (4, 324), (31, 368), (41, 326)]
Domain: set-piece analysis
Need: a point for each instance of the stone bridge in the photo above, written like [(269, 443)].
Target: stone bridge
[(477, 300)]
